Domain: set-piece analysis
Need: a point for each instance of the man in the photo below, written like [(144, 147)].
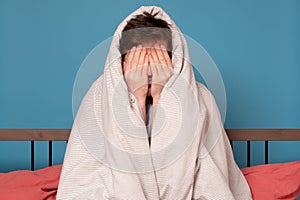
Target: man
[(108, 155)]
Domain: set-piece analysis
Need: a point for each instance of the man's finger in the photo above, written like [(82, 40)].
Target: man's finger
[(142, 57), (124, 67), (136, 56), (145, 66), (147, 62), (153, 67), (167, 57), (160, 55), (154, 56), (130, 56)]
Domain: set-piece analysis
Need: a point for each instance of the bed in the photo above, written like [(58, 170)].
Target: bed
[(266, 181)]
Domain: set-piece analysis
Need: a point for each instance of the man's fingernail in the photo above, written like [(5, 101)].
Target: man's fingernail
[(134, 47), (163, 47), (139, 46)]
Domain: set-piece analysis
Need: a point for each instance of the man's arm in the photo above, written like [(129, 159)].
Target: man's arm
[(135, 68), (161, 69), (142, 104), (154, 106)]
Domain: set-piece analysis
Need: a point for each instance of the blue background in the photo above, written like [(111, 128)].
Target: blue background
[(255, 44)]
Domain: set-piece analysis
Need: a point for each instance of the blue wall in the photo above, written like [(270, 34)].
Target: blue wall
[(255, 44)]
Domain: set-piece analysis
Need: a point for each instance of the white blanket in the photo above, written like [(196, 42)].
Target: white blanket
[(108, 155)]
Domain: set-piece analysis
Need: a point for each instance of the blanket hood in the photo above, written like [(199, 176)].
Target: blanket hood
[(180, 55)]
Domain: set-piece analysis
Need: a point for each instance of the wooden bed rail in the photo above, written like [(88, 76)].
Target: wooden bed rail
[(233, 134), (34, 134), (248, 135)]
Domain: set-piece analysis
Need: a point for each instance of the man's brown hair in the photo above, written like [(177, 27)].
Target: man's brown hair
[(145, 28)]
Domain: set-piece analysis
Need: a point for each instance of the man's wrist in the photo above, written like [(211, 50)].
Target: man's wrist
[(142, 101), (142, 104), (155, 99)]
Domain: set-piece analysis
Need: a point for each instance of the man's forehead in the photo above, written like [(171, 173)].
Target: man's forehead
[(151, 44), (148, 45)]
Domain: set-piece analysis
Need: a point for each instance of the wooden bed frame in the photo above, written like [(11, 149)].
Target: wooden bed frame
[(248, 135)]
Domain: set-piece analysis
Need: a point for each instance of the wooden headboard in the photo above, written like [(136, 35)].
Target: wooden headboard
[(233, 134), (248, 135)]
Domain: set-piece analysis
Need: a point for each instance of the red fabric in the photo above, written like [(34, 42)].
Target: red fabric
[(34, 185), (267, 182), (274, 181)]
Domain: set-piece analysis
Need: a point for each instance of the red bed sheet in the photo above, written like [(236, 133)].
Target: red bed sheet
[(272, 181)]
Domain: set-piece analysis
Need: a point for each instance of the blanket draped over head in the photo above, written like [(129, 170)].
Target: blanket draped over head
[(108, 155)]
